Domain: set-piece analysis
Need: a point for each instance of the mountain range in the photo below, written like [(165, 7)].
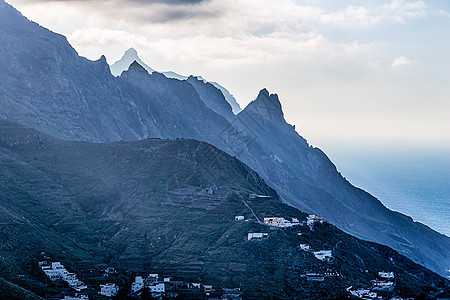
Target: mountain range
[(46, 85), (131, 56)]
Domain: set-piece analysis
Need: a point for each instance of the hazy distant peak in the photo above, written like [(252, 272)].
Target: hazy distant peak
[(131, 52), (130, 56)]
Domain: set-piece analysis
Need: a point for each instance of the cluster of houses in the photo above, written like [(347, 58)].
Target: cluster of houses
[(323, 255), (55, 271), (152, 282), (166, 287), (363, 293), (109, 290), (281, 222), (76, 297), (311, 220), (384, 283)]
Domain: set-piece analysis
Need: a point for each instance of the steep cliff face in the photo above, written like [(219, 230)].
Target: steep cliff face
[(46, 85), (212, 97), (307, 179)]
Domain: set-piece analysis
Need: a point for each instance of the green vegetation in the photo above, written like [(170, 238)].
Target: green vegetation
[(114, 204)]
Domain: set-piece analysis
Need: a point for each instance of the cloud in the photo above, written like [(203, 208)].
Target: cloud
[(168, 2), (400, 10), (400, 62), (137, 11), (444, 13)]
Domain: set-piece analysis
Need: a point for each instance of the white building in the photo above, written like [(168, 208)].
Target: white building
[(157, 287), (314, 277), (153, 277), (56, 271), (386, 275), (239, 218), (364, 294), (313, 219), (78, 285), (382, 284), (305, 247), (138, 284), (43, 263), (323, 254), (208, 289), (53, 275), (196, 285), (109, 289), (111, 270), (277, 222), (70, 277), (256, 235), (76, 297)]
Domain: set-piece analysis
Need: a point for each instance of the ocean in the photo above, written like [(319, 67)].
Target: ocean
[(414, 183)]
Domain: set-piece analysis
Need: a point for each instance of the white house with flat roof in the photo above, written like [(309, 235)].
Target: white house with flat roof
[(386, 275), (159, 287), (138, 284), (323, 255), (305, 247), (277, 222), (257, 235), (109, 289)]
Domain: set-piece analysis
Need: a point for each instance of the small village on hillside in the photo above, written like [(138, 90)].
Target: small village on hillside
[(104, 284)]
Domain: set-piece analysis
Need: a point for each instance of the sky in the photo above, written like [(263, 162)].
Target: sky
[(347, 72)]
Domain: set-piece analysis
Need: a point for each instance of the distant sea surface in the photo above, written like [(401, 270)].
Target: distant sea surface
[(415, 184)]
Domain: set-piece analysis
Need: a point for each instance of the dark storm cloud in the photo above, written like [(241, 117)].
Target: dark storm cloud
[(144, 12), (167, 2), (171, 2)]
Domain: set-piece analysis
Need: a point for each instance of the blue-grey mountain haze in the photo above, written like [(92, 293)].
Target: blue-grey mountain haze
[(138, 105)]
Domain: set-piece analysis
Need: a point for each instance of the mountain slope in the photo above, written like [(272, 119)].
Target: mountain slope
[(212, 97), (147, 206), (307, 179), (46, 85)]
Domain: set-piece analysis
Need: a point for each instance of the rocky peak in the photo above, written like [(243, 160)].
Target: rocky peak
[(266, 105), (136, 67)]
